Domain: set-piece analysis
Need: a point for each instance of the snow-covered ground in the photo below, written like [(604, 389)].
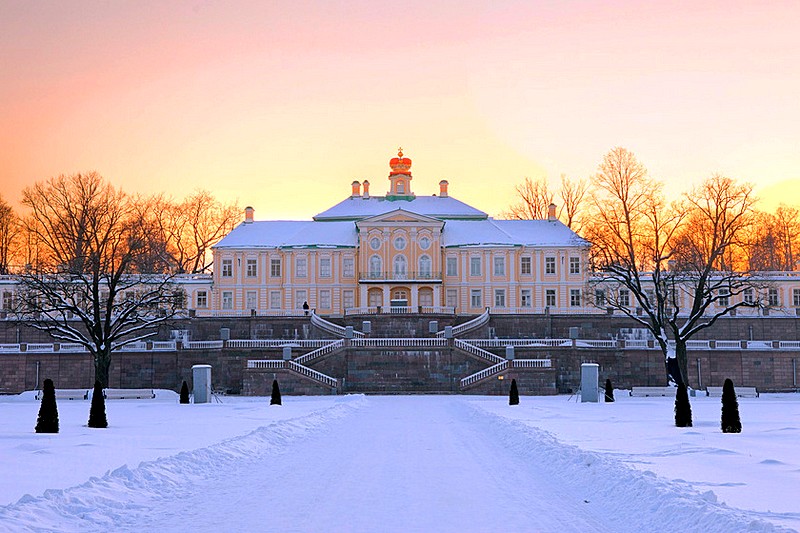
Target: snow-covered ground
[(400, 463)]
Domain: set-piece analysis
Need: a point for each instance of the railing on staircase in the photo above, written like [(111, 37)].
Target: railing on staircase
[(319, 352), (479, 352), (483, 374), (469, 325), (313, 374), (280, 364), (330, 327), (502, 366)]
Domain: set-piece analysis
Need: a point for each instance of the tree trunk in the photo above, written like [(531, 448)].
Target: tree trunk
[(683, 360), (102, 366)]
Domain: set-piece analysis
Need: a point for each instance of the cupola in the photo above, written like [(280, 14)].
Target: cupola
[(400, 177)]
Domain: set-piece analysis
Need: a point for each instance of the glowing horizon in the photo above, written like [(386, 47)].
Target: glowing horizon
[(282, 106)]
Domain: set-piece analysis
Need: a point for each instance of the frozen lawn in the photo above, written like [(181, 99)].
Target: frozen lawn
[(417, 463)]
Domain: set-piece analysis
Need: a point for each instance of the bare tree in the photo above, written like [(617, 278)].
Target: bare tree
[(664, 265), (195, 225), (534, 201), (9, 235), (151, 215), (572, 197), (82, 289)]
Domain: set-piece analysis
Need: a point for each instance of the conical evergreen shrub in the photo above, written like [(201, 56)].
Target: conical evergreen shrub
[(513, 395), (276, 393), (730, 409), (184, 392), (609, 391), (683, 409), (47, 421), (97, 413)]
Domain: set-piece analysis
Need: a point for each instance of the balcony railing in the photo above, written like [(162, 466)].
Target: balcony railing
[(408, 275)]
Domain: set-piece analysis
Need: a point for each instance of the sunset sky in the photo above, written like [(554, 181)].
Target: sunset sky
[(280, 105)]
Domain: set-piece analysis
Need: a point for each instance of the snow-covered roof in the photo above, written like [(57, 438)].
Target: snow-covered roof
[(446, 207), (289, 233), (488, 232), (509, 233)]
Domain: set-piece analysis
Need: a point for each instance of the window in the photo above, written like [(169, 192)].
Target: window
[(525, 298), (550, 297), (348, 299), (749, 296), (425, 267), (301, 267), (451, 298), (724, 297), (275, 268), (525, 265), (499, 265), (400, 243), (424, 243), (227, 300), (400, 267), (274, 299), (251, 300), (599, 297), (348, 267), (375, 298), (179, 298), (300, 297), (325, 299), (375, 266), (426, 297), (201, 298), (474, 266), (624, 297), (475, 298), (575, 297), (452, 266), (324, 267), (549, 265), (251, 268), (375, 243), (574, 265), (401, 187), (499, 297), (796, 297), (227, 268), (8, 300), (772, 296)]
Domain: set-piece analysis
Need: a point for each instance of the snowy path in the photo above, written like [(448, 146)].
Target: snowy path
[(380, 464), (391, 467)]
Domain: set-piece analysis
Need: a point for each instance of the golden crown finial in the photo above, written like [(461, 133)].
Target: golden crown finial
[(400, 152)]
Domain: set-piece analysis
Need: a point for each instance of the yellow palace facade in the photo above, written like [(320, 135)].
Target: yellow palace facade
[(399, 253)]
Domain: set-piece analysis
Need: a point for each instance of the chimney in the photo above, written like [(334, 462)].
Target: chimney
[(356, 189), (443, 189), (366, 189), (551, 212), (248, 215)]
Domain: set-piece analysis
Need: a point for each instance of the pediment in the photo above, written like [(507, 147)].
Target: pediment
[(400, 217)]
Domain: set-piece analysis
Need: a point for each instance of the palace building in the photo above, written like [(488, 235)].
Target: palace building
[(398, 252)]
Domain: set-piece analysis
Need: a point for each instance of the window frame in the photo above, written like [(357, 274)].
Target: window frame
[(525, 265), (550, 265)]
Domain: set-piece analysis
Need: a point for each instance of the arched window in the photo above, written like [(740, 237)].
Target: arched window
[(400, 267), (401, 187), (425, 266), (375, 267)]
